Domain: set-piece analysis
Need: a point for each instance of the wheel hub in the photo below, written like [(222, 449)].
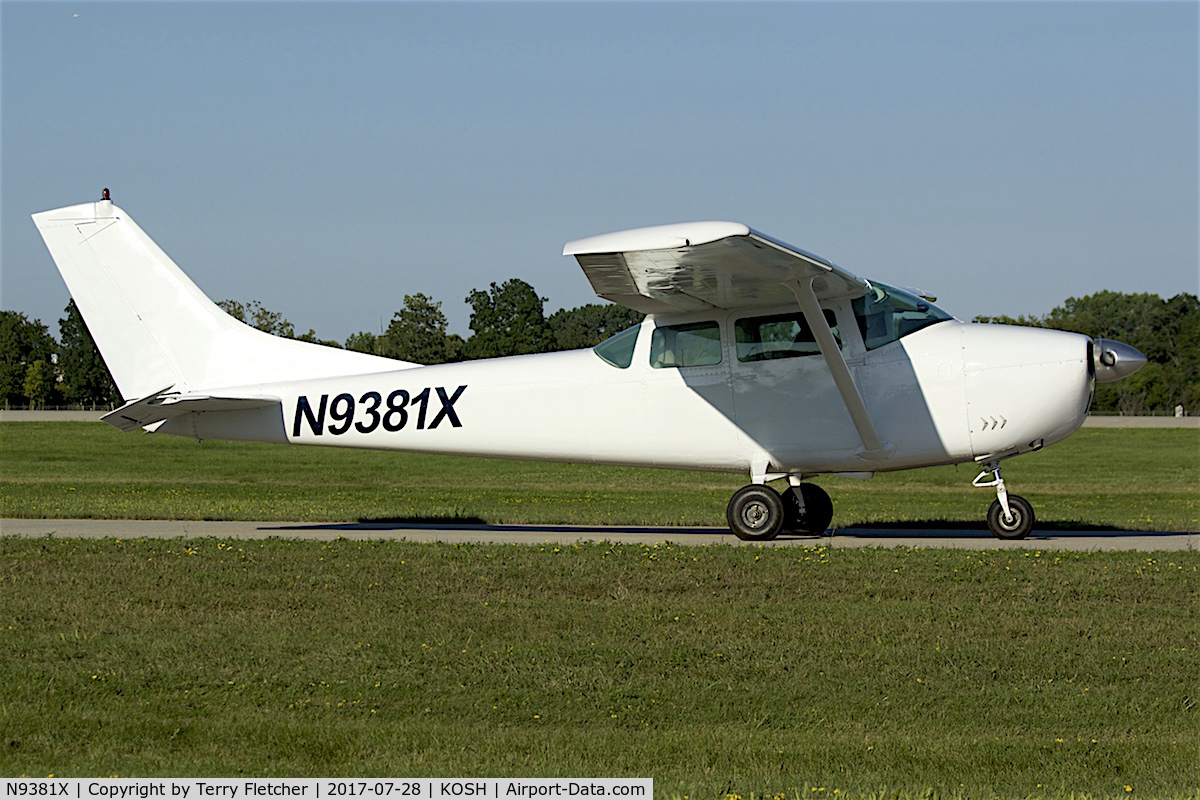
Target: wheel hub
[(755, 515)]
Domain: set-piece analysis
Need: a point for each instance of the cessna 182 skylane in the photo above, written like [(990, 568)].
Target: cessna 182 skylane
[(756, 357)]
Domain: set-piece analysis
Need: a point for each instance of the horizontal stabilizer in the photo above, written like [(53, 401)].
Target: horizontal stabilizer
[(161, 406)]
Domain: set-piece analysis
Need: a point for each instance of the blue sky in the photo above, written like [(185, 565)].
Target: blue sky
[(328, 158)]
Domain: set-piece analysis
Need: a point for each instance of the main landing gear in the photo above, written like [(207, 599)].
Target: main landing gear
[(758, 513), (1010, 516)]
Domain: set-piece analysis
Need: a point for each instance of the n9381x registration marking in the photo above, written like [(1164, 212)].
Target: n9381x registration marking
[(371, 410)]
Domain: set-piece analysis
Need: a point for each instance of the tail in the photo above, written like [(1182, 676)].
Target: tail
[(155, 329)]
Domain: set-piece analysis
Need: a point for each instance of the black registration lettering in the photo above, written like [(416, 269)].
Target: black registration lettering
[(392, 414), (396, 416), (447, 410), (304, 411), (372, 401), (342, 415), (424, 398)]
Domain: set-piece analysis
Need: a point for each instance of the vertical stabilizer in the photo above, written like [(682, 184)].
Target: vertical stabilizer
[(155, 328)]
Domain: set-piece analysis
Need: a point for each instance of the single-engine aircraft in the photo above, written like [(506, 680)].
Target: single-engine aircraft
[(755, 357)]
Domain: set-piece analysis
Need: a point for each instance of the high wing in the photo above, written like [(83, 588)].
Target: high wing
[(693, 266)]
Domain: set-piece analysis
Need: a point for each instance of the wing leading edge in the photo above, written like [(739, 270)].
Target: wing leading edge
[(699, 265)]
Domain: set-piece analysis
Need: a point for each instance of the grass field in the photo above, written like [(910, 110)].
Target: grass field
[(718, 671), (1128, 479), (721, 672)]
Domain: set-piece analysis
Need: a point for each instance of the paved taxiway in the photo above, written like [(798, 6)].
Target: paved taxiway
[(963, 538)]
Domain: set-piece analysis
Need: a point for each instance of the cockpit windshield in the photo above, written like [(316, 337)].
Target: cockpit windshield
[(886, 314)]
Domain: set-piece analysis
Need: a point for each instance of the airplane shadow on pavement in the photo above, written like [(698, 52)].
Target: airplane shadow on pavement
[(933, 530)]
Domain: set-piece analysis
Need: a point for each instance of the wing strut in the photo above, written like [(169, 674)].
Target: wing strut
[(874, 448)]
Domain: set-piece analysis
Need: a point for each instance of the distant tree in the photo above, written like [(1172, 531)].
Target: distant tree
[(85, 376), (21, 344), (311, 337), (363, 342), (1004, 319), (234, 309), (591, 324), (256, 316), (508, 320), (417, 333), (1146, 321), (38, 383), (1166, 331), (272, 322)]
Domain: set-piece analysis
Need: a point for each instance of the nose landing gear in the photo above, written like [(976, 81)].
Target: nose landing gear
[(1010, 516)]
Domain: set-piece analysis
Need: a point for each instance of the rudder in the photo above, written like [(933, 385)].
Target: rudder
[(156, 328)]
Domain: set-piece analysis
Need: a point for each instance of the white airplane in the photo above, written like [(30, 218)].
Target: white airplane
[(756, 357)]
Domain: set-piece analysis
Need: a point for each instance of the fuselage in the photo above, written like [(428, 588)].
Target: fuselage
[(707, 391)]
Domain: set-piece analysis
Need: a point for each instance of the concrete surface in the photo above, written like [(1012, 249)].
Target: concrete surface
[(961, 538)]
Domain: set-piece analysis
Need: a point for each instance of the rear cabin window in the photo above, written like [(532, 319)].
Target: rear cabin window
[(697, 344), (618, 348), (886, 314), (779, 336)]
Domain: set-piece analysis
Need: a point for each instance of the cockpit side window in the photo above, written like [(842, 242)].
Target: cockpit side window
[(697, 344), (779, 336), (618, 348), (886, 314)]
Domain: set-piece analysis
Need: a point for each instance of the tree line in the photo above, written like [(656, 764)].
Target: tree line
[(506, 320), (1166, 331), (36, 370), (509, 319)]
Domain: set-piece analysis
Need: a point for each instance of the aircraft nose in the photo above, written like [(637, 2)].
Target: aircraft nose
[(1115, 360)]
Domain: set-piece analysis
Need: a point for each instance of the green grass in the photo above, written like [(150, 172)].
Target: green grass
[(715, 670), (719, 671), (1127, 479)]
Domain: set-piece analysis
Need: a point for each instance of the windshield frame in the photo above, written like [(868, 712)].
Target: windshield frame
[(887, 314)]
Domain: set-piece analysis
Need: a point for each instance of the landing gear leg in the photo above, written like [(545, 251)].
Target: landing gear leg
[(1010, 515)]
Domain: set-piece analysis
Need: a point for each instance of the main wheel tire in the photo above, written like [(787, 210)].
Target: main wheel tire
[(817, 511), (755, 513), (1016, 528)]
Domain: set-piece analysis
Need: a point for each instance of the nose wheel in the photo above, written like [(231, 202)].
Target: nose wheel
[(1016, 524), (1010, 516)]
